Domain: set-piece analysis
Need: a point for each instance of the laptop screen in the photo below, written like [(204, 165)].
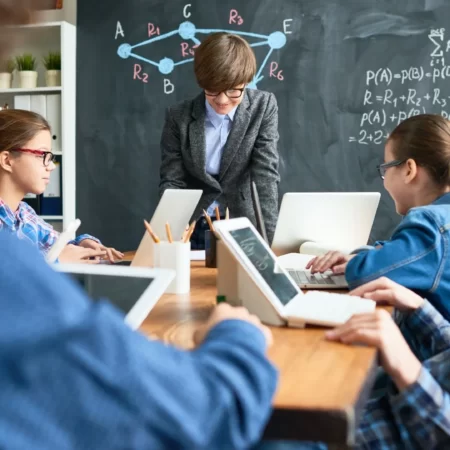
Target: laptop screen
[(122, 291), (265, 263)]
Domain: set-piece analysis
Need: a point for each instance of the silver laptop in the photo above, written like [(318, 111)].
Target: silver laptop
[(176, 207), (342, 220), (296, 219), (134, 291)]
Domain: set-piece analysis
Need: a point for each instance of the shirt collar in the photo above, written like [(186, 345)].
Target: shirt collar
[(443, 200), (217, 119), (7, 215)]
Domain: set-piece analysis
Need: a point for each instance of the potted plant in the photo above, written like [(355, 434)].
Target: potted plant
[(52, 63), (26, 65), (6, 70)]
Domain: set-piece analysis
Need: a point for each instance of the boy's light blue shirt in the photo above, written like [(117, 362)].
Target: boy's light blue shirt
[(217, 129)]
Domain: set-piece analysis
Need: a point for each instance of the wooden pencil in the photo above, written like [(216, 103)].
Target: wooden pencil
[(208, 219), (190, 231), (155, 238), (169, 233)]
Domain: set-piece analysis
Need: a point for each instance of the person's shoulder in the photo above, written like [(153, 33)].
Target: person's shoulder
[(437, 216), (184, 108), (257, 96), (261, 100), (24, 207)]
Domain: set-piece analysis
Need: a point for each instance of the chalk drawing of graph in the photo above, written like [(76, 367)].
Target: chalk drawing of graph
[(188, 31)]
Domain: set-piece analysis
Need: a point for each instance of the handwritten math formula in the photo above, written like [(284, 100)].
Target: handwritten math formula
[(189, 34), (420, 93)]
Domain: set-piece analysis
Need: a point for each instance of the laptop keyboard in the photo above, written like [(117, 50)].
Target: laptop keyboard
[(302, 277)]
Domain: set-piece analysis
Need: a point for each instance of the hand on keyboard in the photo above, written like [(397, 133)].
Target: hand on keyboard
[(305, 277), (334, 261), (384, 290)]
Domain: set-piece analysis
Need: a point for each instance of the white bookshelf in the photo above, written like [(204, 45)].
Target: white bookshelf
[(38, 90), (50, 218), (39, 39)]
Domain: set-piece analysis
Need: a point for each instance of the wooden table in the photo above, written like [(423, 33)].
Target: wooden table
[(323, 385)]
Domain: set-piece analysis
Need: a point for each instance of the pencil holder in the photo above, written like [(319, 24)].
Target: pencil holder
[(176, 256), (210, 249)]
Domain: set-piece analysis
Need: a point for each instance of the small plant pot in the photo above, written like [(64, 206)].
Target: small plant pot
[(53, 78), (28, 79), (5, 80)]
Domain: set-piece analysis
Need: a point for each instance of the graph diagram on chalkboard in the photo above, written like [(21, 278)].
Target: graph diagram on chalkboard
[(190, 35)]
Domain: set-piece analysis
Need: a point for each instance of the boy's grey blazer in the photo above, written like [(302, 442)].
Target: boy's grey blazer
[(250, 154)]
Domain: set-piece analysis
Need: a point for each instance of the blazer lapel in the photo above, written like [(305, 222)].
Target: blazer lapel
[(237, 133), (197, 135), (197, 141)]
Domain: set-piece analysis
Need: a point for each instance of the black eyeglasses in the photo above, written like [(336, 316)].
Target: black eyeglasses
[(383, 167), (47, 157), (230, 93)]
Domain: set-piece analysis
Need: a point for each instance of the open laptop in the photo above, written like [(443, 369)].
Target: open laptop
[(175, 207), (295, 263), (342, 220), (134, 291), (268, 291)]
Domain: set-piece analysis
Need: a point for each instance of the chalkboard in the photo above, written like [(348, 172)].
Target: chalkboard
[(344, 72)]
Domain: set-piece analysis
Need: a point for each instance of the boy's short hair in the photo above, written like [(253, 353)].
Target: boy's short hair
[(224, 61)]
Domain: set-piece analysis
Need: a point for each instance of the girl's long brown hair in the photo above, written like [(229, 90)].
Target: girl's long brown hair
[(18, 127)]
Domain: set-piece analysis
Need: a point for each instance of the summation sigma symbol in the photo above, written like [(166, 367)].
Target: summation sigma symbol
[(189, 32)]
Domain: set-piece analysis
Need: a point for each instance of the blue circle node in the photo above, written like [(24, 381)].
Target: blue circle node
[(124, 51), (186, 30), (276, 40), (166, 66)]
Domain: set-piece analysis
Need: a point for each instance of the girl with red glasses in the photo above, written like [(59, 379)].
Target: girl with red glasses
[(26, 162)]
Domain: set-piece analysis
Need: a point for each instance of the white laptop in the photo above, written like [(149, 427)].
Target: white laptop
[(295, 263), (333, 220), (311, 224), (269, 292), (134, 291), (175, 207)]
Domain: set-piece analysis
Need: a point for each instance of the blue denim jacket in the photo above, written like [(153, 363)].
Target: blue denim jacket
[(416, 256)]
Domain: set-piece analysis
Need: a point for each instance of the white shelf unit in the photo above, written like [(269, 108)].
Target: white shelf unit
[(38, 90), (39, 39), (52, 217)]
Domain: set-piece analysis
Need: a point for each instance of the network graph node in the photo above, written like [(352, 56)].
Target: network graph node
[(276, 40), (188, 32), (166, 66), (124, 51)]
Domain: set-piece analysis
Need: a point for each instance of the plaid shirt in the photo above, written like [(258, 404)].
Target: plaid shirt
[(26, 224), (418, 417)]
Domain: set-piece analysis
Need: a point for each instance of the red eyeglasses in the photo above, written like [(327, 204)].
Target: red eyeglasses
[(47, 157)]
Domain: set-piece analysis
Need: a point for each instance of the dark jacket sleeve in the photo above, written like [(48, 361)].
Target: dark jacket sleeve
[(172, 171), (265, 160)]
